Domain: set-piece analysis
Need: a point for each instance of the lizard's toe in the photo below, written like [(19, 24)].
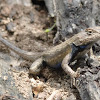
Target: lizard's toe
[(73, 79), (77, 72), (74, 82)]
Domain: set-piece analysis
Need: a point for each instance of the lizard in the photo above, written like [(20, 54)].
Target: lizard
[(61, 55)]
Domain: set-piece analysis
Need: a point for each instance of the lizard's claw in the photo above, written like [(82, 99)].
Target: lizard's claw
[(73, 79)]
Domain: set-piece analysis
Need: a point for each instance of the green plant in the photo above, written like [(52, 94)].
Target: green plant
[(50, 29)]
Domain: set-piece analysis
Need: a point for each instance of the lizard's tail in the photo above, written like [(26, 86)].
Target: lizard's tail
[(24, 54)]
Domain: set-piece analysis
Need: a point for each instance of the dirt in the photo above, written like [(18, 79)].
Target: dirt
[(28, 33)]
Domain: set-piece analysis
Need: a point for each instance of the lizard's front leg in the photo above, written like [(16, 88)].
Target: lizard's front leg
[(92, 56), (68, 70)]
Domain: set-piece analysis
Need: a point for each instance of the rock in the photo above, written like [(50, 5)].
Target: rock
[(96, 48), (37, 86), (14, 85), (42, 95), (5, 97), (93, 63), (31, 17), (10, 27), (71, 97), (21, 2), (88, 82), (5, 11), (88, 87)]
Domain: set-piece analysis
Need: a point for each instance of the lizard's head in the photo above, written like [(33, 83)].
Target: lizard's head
[(89, 35)]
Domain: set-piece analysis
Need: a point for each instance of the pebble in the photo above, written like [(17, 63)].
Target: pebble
[(10, 27)]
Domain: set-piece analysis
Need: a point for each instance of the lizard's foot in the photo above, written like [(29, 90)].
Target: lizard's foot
[(73, 78)]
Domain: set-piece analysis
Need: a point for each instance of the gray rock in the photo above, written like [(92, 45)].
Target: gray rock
[(96, 48), (21, 2), (71, 97), (10, 27), (31, 17), (9, 89)]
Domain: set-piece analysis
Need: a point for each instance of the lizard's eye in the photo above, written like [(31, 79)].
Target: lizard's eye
[(89, 31)]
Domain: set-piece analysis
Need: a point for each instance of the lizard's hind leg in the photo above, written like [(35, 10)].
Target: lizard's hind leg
[(36, 66)]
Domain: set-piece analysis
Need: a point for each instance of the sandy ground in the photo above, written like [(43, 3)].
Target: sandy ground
[(27, 32)]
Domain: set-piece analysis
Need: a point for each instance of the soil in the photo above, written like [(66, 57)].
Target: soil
[(27, 32)]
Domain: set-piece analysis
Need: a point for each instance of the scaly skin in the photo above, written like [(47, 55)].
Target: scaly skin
[(56, 54)]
